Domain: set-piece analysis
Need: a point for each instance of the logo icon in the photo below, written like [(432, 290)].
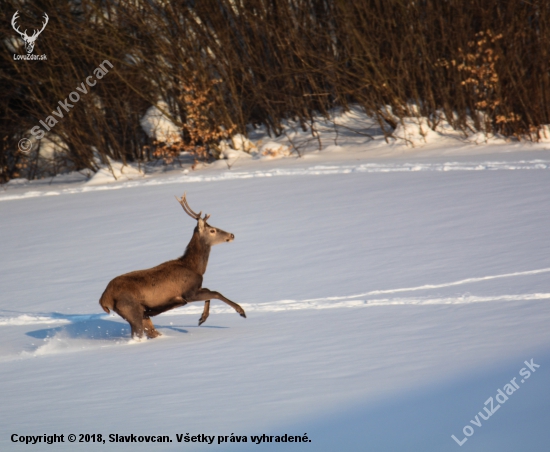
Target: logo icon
[(29, 40)]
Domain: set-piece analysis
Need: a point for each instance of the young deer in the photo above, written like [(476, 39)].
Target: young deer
[(140, 295)]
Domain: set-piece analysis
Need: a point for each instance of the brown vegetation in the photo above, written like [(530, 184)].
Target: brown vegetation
[(220, 65)]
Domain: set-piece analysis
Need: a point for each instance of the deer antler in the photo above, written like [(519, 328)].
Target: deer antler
[(36, 32), (16, 27), (189, 211)]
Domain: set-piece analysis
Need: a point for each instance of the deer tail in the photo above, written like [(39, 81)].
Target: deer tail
[(106, 301)]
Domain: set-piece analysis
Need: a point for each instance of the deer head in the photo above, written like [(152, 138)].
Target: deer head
[(29, 40), (210, 235)]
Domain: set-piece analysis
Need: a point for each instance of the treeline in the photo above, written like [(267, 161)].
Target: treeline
[(482, 65)]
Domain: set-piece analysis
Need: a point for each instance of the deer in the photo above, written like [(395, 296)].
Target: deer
[(28, 40), (139, 295)]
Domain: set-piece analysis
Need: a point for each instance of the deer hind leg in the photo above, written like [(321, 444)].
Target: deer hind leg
[(205, 312), (131, 311), (207, 294), (149, 328)]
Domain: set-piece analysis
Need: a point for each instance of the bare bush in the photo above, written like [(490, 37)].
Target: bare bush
[(220, 65)]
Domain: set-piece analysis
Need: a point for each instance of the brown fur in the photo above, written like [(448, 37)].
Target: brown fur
[(142, 294)]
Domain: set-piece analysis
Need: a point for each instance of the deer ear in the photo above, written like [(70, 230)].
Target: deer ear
[(200, 224)]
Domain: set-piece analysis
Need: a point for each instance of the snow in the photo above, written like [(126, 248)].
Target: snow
[(415, 131), (273, 149), (157, 126), (390, 290), (115, 172), (132, 175), (241, 143)]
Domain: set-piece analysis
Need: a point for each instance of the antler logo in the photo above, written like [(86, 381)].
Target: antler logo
[(29, 40)]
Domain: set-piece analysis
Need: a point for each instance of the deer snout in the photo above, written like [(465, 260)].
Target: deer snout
[(230, 238)]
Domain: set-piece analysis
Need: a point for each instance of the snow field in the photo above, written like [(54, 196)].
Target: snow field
[(453, 265)]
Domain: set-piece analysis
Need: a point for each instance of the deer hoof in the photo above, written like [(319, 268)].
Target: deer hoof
[(152, 334)]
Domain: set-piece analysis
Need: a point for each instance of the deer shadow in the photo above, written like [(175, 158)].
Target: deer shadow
[(93, 327), (98, 329)]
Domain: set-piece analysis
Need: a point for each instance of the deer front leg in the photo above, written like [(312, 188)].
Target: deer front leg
[(207, 294), (205, 312)]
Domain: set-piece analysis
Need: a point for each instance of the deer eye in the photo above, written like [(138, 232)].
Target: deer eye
[(212, 231)]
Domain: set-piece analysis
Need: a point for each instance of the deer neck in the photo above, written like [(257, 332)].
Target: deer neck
[(196, 254)]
